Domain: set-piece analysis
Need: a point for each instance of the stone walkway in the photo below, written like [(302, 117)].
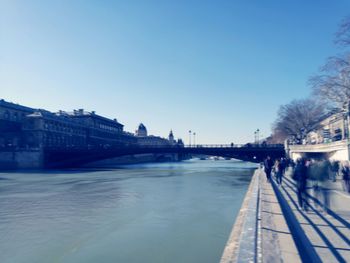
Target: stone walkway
[(282, 232), (260, 233), (328, 233), (277, 244)]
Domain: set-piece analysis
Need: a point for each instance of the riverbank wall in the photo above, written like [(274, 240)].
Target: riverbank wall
[(245, 226), (272, 227), (29, 159), (261, 232), (35, 159), (134, 159)]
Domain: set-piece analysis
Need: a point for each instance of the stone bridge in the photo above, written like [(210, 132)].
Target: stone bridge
[(247, 152)]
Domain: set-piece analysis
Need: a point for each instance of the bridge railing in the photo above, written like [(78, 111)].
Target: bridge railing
[(253, 145), (120, 147)]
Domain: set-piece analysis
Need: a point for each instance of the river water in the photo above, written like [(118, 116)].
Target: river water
[(168, 212)]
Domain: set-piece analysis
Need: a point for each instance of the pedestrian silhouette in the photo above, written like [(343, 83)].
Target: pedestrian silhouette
[(268, 164), (300, 175)]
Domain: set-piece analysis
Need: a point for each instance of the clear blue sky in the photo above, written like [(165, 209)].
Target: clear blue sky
[(219, 68)]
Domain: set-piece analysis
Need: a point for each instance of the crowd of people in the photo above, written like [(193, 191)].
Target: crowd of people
[(310, 174)]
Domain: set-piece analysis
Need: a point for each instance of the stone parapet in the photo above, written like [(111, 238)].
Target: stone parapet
[(261, 232), (242, 243)]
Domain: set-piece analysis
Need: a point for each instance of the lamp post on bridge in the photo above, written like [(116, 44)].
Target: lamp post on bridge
[(256, 136), (194, 139), (189, 136)]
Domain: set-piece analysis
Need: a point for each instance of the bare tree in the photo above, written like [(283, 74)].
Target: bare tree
[(342, 37), (297, 118), (277, 136), (332, 85)]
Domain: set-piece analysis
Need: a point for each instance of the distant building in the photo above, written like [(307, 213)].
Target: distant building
[(171, 138), (12, 117), (150, 140), (24, 127), (141, 131), (102, 131), (46, 129), (328, 140), (332, 127)]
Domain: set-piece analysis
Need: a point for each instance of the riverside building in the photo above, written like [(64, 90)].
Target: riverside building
[(24, 127), (150, 140), (328, 140), (333, 127)]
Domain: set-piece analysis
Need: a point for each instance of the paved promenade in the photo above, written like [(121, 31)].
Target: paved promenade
[(271, 228), (277, 244), (328, 232), (260, 233)]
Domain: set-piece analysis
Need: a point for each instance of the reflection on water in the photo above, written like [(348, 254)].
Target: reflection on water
[(169, 212)]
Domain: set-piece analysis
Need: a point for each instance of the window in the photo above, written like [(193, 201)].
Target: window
[(7, 115)]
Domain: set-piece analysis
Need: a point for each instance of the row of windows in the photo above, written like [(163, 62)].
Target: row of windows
[(13, 116), (60, 140), (104, 134), (55, 126), (109, 128)]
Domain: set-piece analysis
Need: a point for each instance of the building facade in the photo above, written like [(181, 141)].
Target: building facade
[(329, 140), (23, 127), (141, 131), (150, 140), (333, 127), (12, 117)]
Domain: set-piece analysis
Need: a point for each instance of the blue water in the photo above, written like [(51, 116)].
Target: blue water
[(169, 212)]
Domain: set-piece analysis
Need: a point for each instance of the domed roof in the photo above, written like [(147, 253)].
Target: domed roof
[(141, 130), (142, 127)]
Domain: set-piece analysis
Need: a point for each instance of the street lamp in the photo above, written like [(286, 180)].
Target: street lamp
[(189, 136), (194, 139), (254, 136)]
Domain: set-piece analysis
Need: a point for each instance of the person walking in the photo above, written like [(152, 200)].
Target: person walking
[(284, 165), (278, 171), (300, 175), (327, 174), (268, 164), (334, 170), (346, 176)]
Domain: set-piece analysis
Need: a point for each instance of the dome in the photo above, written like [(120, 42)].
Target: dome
[(142, 127), (141, 130)]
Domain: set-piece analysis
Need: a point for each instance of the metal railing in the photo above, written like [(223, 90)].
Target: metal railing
[(253, 145), (136, 146)]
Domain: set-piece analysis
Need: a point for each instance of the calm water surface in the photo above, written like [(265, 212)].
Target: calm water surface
[(169, 212)]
